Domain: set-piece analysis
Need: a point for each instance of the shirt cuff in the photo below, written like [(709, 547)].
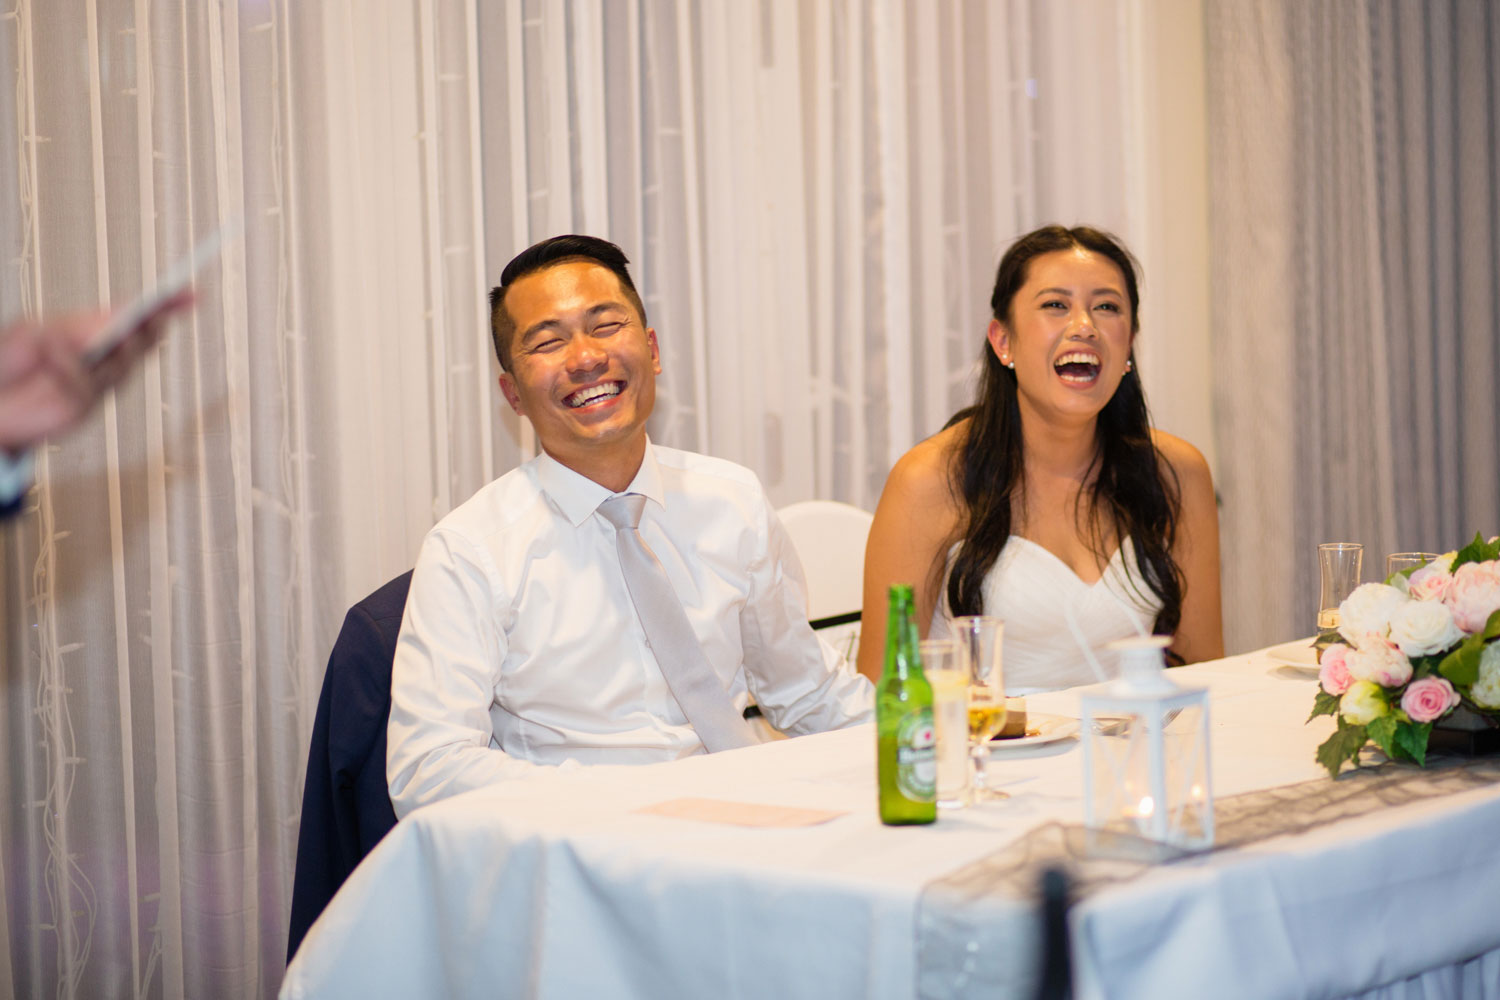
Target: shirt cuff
[(15, 476)]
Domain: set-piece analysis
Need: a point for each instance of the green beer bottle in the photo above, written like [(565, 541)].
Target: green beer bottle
[(906, 742)]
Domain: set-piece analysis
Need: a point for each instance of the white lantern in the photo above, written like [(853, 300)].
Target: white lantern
[(1145, 757)]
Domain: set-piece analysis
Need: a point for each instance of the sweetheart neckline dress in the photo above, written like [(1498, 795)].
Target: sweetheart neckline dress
[(1032, 591)]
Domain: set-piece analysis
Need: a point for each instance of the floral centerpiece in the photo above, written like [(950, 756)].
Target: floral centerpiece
[(1410, 651)]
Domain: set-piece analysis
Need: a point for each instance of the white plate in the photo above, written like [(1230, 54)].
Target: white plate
[(1297, 654), (1050, 729)]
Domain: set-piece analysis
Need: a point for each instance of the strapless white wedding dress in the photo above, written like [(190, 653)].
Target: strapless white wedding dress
[(1035, 593)]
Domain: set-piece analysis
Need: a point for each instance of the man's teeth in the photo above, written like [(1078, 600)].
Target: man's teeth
[(584, 397)]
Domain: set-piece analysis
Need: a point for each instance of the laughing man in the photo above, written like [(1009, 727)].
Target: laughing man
[(522, 646)]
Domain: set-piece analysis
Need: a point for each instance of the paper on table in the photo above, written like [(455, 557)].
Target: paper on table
[(739, 813)]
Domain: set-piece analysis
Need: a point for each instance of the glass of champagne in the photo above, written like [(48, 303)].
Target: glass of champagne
[(1338, 567), (981, 636)]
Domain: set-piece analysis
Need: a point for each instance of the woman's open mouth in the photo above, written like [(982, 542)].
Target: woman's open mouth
[(1078, 367)]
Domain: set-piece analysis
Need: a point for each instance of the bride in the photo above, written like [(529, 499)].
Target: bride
[(1051, 503)]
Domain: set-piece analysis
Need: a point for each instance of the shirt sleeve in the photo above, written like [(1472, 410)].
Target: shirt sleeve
[(444, 679), (802, 684)]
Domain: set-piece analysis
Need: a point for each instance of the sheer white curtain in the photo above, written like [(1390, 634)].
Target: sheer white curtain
[(1355, 171), (814, 195)]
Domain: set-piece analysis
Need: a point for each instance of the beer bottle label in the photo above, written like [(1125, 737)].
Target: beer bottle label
[(916, 756)]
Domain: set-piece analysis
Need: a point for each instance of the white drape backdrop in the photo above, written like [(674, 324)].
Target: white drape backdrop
[(1355, 168), (814, 195)]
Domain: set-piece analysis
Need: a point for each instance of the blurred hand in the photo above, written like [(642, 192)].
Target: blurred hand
[(45, 385)]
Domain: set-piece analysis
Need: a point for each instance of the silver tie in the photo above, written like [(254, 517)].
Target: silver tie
[(678, 652)]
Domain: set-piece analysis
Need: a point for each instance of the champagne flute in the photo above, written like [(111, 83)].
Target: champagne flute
[(981, 635)]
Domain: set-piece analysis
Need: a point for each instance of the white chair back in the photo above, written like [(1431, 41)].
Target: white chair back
[(830, 541)]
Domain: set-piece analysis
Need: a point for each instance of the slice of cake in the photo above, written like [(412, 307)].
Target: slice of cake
[(1015, 719)]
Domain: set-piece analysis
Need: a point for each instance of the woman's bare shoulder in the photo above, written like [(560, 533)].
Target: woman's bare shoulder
[(924, 474), (1186, 461)]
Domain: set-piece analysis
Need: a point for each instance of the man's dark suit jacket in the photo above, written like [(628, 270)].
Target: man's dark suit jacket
[(346, 804)]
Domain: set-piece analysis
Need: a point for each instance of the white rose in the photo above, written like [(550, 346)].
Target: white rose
[(1486, 690), (1422, 628), (1369, 609)]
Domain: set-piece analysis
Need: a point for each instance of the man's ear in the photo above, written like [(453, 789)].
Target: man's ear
[(999, 337), (508, 390), (655, 350)]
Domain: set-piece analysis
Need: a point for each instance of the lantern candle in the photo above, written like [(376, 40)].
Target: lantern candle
[(1145, 752)]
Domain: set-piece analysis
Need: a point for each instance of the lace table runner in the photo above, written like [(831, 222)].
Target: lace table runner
[(978, 931)]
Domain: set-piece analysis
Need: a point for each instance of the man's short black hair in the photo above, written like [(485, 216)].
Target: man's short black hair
[(548, 253)]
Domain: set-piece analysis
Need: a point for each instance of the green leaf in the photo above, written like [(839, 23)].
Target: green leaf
[(1473, 552), (1323, 704), (1425, 666), (1341, 746), (1490, 550), (1491, 628), (1411, 739), (1462, 665), (1382, 732)]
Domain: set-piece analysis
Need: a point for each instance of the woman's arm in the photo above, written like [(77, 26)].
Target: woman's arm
[(1200, 633), (914, 524)]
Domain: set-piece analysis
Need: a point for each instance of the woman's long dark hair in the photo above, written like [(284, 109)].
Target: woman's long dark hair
[(1133, 490)]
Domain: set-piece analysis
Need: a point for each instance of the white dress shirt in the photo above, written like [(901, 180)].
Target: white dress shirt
[(521, 647)]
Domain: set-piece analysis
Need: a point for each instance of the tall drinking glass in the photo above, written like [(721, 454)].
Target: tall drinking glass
[(945, 663), (1338, 566), (981, 636)]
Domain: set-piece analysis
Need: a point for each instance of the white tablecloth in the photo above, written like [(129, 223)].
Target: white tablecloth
[(558, 888)]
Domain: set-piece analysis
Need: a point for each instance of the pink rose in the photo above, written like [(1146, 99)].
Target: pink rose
[(1379, 661), (1333, 669), (1474, 594), (1430, 583), (1428, 698)]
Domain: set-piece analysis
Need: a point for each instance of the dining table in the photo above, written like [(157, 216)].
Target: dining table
[(766, 872)]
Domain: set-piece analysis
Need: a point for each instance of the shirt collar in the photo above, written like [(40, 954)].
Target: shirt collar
[(577, 496)]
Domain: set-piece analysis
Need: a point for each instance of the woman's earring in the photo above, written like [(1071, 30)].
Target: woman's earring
[(1010, 364), (1129, 365)]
